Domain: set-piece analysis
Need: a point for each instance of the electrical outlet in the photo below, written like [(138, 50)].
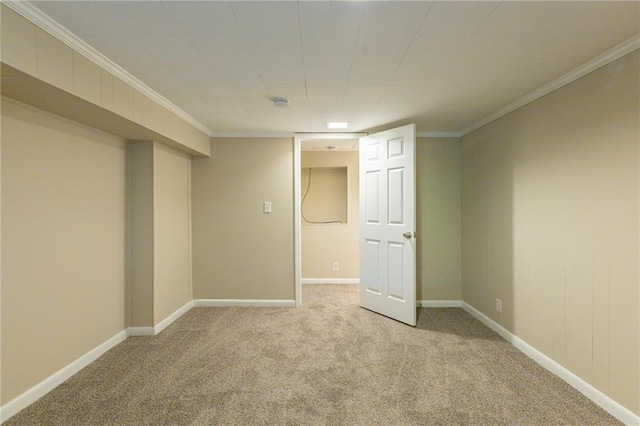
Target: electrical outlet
[(336, 266), (498, 305)]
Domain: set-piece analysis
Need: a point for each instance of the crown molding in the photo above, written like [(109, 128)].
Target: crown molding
[(42, 20), (598, 62), (438, 134), (252, 135)]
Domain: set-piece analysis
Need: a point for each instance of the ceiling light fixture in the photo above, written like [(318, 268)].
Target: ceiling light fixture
[(280, 102), (337, 124)]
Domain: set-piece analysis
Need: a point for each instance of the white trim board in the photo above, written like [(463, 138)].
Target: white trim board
[(429, 134), (297, 221), (439, 303), (27, 398), (330, 280), (157, 329), (623, 414), (171, 318), (243, 303), (140, 331)]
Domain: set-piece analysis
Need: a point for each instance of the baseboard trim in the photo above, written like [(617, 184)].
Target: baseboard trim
[(171, 318), (330, 280), (47, 385), (152, 331), (620, 412), (439, 303), (140, 331), (243, 303)]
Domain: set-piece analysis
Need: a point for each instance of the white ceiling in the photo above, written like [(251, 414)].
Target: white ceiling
[(443, 65)]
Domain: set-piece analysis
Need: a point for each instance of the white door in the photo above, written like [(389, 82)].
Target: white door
[(387, 224)]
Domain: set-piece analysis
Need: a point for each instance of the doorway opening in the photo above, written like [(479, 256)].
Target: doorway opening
[(326, 192)]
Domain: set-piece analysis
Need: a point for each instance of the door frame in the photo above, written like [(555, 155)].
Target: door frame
[(298, 138)]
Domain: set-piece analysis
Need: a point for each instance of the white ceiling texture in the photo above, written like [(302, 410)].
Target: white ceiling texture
[(445, 65)]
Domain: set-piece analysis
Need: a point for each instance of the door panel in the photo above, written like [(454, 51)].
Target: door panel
[(387, 223), (396, 191), (396, 268), (372, 197), (372, 270)]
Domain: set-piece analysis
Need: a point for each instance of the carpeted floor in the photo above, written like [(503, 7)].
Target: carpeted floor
[(328, 362)]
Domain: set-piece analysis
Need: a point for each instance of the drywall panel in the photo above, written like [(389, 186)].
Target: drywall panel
[(550, 225), (18, 41), (438, 192), (55, 60), (171, 124), (122, 98), (325, 195), (63, 239), (87, 79), (171, 215), (107, 90), (141, 109), (238, 251), (157, 118)]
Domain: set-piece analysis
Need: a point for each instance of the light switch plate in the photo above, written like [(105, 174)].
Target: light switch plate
[(266, 207)]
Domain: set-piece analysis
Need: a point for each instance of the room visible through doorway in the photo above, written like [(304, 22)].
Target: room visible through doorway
[(327, 210)]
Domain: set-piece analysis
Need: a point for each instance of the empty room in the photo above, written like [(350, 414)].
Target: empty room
[(320, 212)]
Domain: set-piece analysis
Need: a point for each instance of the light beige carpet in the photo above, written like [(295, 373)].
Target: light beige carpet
[(328, 362)]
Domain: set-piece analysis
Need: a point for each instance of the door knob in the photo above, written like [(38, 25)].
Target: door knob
[(407, 235)]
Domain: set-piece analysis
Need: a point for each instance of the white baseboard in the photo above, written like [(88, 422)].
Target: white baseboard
[(439, 303), (171, 318), (152, 331), (330, 280), (140, 331), (618, 411), (47, 385), (244, 303)]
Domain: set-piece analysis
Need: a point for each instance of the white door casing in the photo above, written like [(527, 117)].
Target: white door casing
[(387, 224)]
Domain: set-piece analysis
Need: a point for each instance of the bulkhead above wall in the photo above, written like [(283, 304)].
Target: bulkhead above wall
[(43, 71)]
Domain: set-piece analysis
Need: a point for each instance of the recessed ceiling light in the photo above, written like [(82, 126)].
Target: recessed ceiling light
[(337, 124)]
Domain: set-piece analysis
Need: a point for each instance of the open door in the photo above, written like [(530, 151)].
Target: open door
[(387, 223)]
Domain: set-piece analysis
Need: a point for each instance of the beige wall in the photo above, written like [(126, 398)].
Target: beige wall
[(438, 187), (551, 226), (327, 243), (239, 252), (63, 190), (141, 234), (160, 215), (172, 233)]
